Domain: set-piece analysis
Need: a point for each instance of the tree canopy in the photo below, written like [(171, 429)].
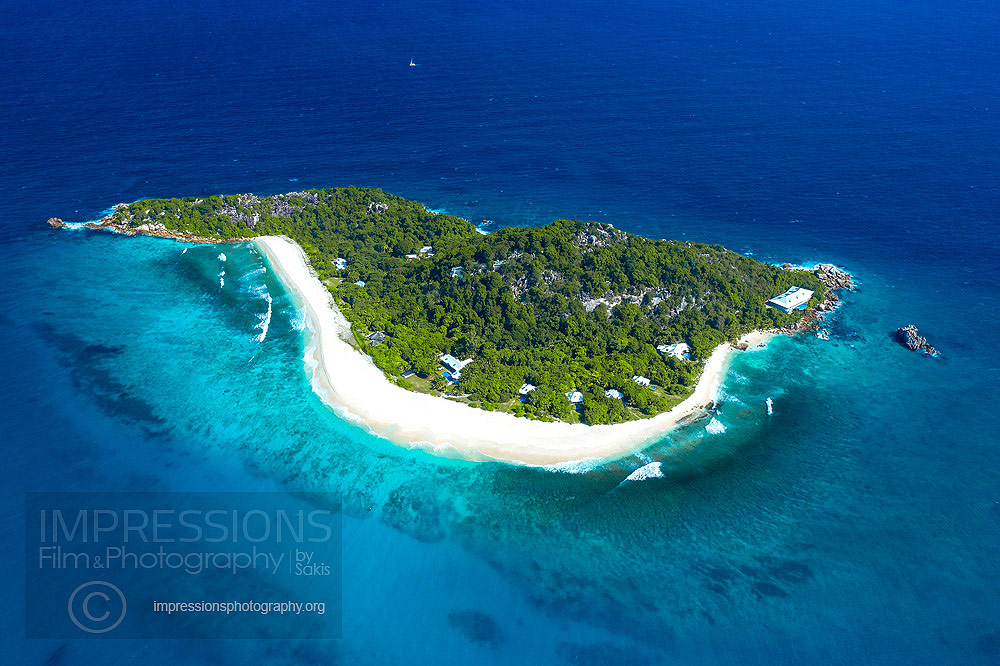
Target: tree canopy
[(568, 306)]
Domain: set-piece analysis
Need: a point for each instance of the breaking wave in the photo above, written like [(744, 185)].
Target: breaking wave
[(653, 470), (265, 320), (715, 427), (574, 467)]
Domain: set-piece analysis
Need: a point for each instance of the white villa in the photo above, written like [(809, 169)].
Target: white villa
[(793, 299), (454, 365), (677, 350), (526, 388), (457, 272), (428, 250), (411, 257), (614, 394), (575, 397), (640, 380), (340, 263)]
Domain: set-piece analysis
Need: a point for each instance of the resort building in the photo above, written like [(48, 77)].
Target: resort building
[(454, 365), (360, 283), (575, 397), (795, 298), (411, 257), (376, 338), (427, 250), (457, 272), (640, 380), (408, 373), (679, 350), (614, 394), (526, 388), (340, 263)]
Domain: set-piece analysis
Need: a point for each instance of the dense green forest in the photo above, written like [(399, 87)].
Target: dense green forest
[(571, 305)]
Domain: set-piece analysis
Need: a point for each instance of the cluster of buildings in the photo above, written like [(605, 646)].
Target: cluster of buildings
[(679, 350), (426, 251)]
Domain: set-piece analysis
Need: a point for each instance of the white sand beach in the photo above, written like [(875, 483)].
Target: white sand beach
[(358, 391)]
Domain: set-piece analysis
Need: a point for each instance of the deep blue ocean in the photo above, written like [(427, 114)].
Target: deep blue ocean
[(860, 524)]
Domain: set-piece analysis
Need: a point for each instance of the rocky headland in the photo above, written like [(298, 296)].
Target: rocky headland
[(835, 279)]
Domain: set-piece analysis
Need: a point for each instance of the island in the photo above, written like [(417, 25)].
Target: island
[(536, 345)]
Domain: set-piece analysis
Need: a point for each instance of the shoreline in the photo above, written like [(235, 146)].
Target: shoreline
[(350, 383)]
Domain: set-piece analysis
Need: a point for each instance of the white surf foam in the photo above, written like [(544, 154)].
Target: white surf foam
[(715, 427), (222, 256), (653, 470), (265, 320), (573, 467)]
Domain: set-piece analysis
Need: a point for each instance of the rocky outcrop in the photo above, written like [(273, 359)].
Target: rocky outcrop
[(833, 277), (910, 337), (150, 229)]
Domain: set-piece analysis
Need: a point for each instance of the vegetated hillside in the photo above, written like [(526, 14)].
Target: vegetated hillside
[(571, 305)]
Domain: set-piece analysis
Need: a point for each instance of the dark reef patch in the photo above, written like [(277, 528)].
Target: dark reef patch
[(85, 362), (478, 627), (989, 644), (409, 512), (764, 589), (57, 656), (787, 571)]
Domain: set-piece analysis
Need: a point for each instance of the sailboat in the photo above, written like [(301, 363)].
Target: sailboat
[(412, 64)]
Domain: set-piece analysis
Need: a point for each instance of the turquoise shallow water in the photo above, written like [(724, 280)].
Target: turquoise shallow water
[(850, 509)]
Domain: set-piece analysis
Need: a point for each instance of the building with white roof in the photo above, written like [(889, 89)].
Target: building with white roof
[(526, 388), (575, 397), (677, 350), (793, 299), (614, 394), (340, 263), (640, 380), (454, 365)]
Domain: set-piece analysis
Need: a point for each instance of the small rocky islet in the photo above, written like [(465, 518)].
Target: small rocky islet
[(910, 337)]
